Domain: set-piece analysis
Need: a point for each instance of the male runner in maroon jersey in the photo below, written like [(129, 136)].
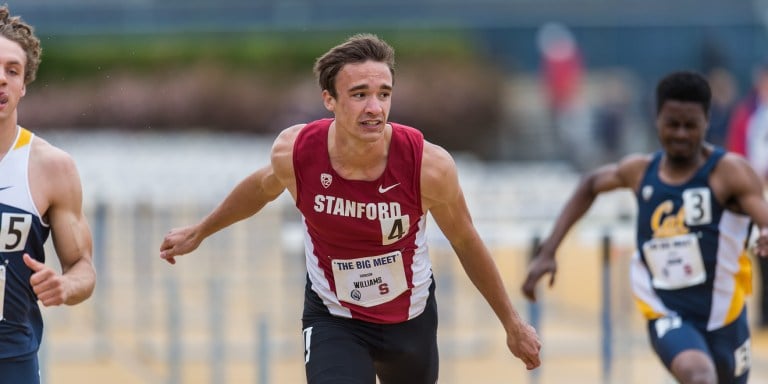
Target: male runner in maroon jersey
[(363, 186)]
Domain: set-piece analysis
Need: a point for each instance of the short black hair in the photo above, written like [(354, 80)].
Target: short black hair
[(686, 86)]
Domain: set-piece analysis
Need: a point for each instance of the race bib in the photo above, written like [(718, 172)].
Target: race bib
[(675, 262), (14, 230), (394, 228), (698, 206), (370, 281)]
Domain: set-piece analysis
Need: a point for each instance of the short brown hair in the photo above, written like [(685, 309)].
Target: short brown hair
[(357, 49), (15, 29)]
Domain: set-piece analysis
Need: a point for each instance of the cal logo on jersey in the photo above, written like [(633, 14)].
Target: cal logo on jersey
[(666, 223)]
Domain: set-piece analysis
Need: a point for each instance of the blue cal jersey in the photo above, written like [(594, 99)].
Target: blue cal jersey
[(689, 258), (21, 231)]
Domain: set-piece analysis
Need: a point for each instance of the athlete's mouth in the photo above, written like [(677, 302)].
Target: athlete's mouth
[(371, 123), (679, 144), (3, 99)]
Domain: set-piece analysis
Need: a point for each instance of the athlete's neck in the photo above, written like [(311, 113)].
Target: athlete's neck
[(7, 136), (355, 159), (678, 170)]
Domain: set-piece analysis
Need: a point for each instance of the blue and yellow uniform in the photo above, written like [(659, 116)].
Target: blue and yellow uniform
[(691, 274), (22, 230)]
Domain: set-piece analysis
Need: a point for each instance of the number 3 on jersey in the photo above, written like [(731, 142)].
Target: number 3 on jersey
[(14, 230), (394, 228), (698, 206)]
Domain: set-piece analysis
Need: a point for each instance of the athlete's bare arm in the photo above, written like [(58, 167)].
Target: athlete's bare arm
[(624, 174), (58, 195), (741, 190), (245, 200), (443, 198)]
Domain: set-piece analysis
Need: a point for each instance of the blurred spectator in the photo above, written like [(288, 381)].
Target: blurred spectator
[(610, 118), (748, 128), (562, 66), (748, 135), (724, 92), (563, 72)]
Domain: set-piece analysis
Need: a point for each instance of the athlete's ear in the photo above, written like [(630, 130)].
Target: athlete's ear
[(329, 101)]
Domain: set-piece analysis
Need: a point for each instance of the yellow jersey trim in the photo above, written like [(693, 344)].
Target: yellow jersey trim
[(25, 137)]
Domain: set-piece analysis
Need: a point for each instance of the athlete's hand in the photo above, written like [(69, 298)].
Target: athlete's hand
[(525, 345), (49, 286), (179, 241), (761, 245), (544, 263)]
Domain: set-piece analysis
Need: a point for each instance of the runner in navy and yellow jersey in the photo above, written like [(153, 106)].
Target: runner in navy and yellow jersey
[(40, 194), (696, 208), (364, 186)]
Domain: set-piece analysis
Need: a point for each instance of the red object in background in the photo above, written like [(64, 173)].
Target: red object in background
[(562, 65)]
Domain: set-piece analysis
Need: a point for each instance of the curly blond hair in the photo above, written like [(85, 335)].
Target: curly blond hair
[(15, 29)]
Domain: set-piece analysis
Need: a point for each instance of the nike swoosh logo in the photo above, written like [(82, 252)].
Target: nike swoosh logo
[(4, 188), (382, 189)]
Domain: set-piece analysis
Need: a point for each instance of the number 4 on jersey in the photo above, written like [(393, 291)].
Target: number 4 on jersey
[(394, 228)]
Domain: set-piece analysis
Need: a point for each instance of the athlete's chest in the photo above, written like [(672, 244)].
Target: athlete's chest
[(673, 210)]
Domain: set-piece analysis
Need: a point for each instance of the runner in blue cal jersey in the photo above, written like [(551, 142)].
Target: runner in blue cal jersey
[(697, 206)]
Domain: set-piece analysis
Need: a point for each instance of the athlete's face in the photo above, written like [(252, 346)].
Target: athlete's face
[(363, 99), (12, 87), (681, 127)]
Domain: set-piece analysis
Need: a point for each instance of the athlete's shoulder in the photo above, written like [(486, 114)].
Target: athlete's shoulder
[(635, 163), (637, 159), (733, 166), (437, 157), (439, 175), (628, 172), (407, 130), (289, 134), (51, 158), (53, 175), (286, 138), (283, 144), (733, 159), (402, 126)]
